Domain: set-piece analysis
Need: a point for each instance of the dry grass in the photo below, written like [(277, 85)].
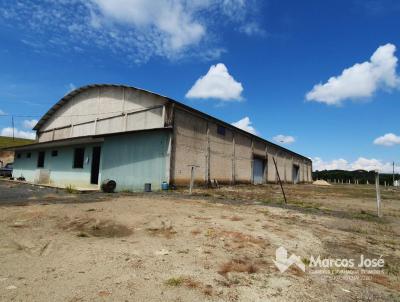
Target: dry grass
[(97, 228), (167, 232), (190, 283), (235, 218), (242, 265), (195, 232), (243, 240)]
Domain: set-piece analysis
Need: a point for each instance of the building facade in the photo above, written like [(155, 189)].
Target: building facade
[(133, 136)]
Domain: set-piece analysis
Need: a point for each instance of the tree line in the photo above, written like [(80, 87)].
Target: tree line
[(362, 176)]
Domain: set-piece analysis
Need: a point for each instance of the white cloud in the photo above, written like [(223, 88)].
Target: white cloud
[(29, 124), (71, 87), (173, 20), (2, 112), (252, 29), (216, 84), (388, 140), (136, 30), (246, 125), (361, 163), (361, 80), (284, 139), (17, 133)]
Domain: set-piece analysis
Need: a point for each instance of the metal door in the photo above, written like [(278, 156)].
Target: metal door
[(258, 171)]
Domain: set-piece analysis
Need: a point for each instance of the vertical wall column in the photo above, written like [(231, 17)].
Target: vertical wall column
[(252, 161), (266, 165), (233, 159), (208, 160)]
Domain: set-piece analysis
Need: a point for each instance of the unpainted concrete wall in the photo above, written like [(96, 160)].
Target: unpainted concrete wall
[(6, 157), (102, 110), (227, 158)]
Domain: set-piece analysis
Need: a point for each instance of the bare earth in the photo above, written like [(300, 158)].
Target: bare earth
[(217, 245)]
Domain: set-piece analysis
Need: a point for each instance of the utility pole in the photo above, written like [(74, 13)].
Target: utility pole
[(12, 125)]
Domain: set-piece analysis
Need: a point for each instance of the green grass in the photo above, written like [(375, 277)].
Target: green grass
[(71, 189), (174, 281), (6, 142)]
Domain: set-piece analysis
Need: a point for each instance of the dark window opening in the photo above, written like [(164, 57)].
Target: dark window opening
[(79, 155), (28, 155), (221, 130), (54, 153), (40, 162), (19, 155)]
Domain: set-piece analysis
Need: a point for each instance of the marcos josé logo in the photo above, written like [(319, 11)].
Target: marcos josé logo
[(282, 262), (348, 267)]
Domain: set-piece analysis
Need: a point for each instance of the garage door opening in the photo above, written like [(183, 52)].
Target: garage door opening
[(258, 171), (296, 174)]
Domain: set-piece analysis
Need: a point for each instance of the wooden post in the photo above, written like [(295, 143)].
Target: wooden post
[(279, 179), (378, 194)]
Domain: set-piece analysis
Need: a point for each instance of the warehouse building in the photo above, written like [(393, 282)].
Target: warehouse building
[(133, 137)]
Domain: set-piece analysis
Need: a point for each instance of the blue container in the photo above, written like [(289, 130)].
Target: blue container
[(164, 186)]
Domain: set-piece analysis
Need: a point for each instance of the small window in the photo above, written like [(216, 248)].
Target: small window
[(221, 130), (40, 162), (79, 155), (28, 155), (54, 153)]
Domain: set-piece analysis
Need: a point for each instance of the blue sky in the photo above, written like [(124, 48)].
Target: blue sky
[(252, 62)]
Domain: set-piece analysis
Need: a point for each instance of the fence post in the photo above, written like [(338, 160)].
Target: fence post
[(378, 194)]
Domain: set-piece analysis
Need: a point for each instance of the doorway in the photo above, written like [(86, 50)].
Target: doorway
[(258, 171), (296, 174), (94, 175)]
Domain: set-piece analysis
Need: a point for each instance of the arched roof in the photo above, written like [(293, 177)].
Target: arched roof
[(79, 90)]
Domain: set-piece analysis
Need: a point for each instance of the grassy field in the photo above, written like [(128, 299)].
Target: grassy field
[(6, 142), (215, 245)]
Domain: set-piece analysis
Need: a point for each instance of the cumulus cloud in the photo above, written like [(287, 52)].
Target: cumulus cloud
[(361, 163), (388, 140), (134, 29), (361, 80), (29, 124), (246, 125), (2, 112), (284, 139), (216, 84), (17, 133)]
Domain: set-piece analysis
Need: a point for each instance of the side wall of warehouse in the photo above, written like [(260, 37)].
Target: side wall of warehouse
[(226, 154), (135, 159)]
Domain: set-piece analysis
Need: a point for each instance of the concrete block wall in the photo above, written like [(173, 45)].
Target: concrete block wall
[(227, 158)]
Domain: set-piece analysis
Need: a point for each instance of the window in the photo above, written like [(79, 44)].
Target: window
[(221, 130), (18, 155), (28, 155), (40, 162), (79, 155), (54, 153)]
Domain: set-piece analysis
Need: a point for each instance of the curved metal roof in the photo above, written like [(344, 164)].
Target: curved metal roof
[(75, 92)]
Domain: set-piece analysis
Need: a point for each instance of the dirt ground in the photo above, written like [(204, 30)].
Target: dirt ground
[(216, 245)]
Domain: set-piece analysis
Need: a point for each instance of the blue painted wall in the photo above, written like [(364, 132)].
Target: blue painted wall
[(130, 159), (60, 167), (135, 159)]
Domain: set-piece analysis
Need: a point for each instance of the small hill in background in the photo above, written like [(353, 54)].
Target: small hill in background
[(6, 142)]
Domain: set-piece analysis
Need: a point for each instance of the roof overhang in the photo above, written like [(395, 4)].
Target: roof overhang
[(83, 140)]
